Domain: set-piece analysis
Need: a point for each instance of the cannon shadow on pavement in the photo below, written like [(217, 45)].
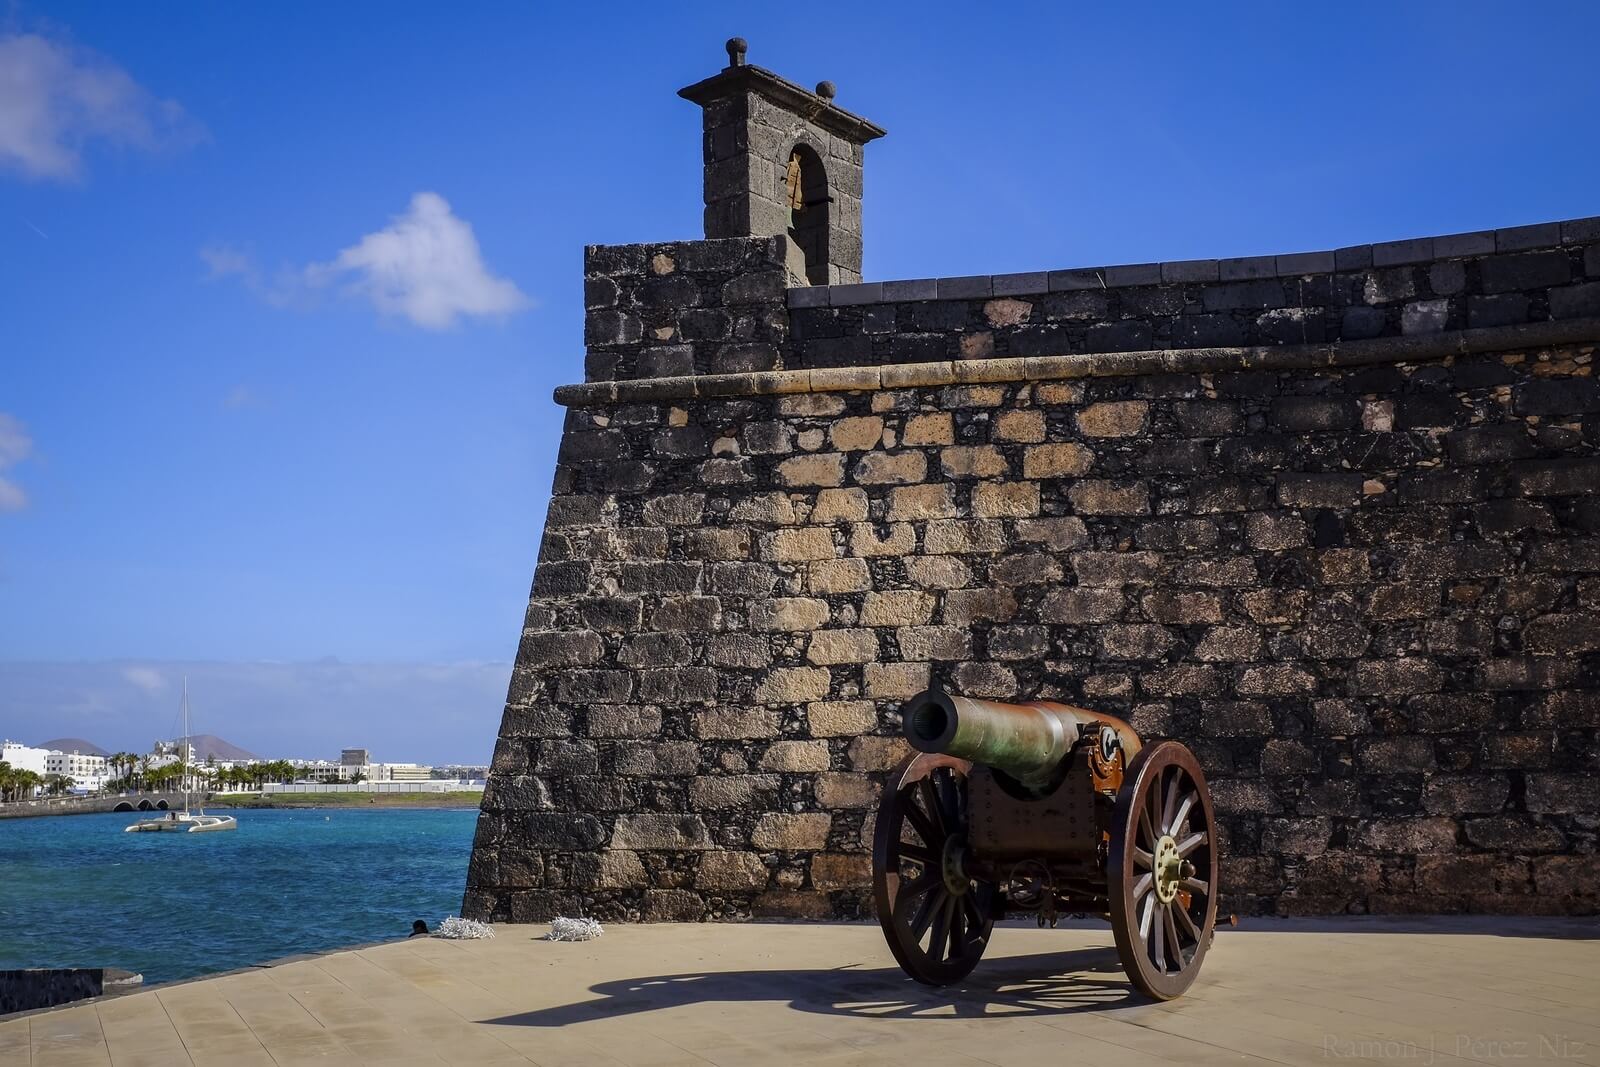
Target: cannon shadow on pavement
[(1057, 983)]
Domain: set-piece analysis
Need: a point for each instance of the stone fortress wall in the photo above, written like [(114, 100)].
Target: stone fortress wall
[(1332, 519)]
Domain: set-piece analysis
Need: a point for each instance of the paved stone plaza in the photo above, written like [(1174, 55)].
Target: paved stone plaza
[(1450, 991)]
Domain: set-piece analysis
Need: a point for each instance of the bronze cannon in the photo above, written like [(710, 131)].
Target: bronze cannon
[(1046, 809)]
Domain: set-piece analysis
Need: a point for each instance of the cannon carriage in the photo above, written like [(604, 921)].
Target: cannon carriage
[(1042, 808)]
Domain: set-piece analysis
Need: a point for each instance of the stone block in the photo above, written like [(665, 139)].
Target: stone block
[(840, 505), (894, 539), (857, 434), (901, 607), (961, 536), (1398, 677), (934, 642), (932, 429), (678, 685), (1116, 568), (796, 756), (1180, 608), (1113, 418), (842, 646), (786, 832), (920, 502), (895, 681), (792, 546), (1066, 460), (697, 614), (765, 509), (1096, 496), (1135, 641), (1023, 426), (736, 723), (789, 614), (883, 468), (972, 461), (938, 572), (963, 607), (1276, 680), (850, 791), (838, 576), (730, 872), (1031, 568), (793, 685), (821, 469), (839, 870), (841, 718), (623, 721), (657, 833), (1081, 606), (1230, 644), (1006, 499), (1056, 534)]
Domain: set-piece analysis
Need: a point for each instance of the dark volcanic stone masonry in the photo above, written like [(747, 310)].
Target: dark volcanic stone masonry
[(1353, 560)]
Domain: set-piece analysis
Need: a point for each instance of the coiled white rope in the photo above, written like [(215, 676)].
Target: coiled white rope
[(564, 929), (459, 929)]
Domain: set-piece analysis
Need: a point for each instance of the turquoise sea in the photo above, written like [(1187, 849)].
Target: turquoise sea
[(75, 891)]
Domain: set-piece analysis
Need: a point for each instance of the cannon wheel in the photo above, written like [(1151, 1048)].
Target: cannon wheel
[(1161, 870), (935, 918)]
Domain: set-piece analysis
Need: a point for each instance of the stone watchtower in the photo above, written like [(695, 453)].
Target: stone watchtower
[(1332, 518), (780, 160)]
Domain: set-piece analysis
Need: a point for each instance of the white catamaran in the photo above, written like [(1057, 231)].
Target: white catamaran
[(185, 821)]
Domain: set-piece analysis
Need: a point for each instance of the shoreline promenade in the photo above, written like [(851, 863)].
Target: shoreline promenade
[(1436, 990)]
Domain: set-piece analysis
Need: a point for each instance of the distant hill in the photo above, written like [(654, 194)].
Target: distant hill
[(74, 744), (208, 745), (205, 745)]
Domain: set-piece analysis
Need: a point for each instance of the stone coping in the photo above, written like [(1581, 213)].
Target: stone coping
[(1416, 348), (1296, 265)]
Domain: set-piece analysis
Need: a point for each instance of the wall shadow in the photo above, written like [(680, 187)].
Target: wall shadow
[(1057, 983)]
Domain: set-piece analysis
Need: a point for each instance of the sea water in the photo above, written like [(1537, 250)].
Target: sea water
[(75, 891)]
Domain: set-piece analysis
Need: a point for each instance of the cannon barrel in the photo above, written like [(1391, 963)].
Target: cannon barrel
[(1026, 741)]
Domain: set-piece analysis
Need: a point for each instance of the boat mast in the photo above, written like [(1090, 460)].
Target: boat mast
[(183, 747)]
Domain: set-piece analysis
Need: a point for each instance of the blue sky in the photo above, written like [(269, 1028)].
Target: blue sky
[(253, 429)]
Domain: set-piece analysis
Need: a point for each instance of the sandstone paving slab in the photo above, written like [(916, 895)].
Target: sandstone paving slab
[(1273, 992)]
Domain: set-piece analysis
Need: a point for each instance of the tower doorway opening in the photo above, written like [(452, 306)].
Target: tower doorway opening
[(806, 192)]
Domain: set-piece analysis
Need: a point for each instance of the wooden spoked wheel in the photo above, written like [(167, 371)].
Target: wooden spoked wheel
[(1161, 870), (935, 917)]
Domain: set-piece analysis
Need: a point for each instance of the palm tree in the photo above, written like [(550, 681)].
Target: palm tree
[(56, 784)]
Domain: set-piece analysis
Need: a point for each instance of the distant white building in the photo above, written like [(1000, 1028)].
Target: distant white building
[(399, 772), (23, 757), (88, 773), (321, 770)]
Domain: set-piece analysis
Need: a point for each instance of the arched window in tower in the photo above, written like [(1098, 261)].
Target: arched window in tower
[(806, 190)]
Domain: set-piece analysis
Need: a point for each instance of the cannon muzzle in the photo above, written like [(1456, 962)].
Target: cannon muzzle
[(1026, 741)]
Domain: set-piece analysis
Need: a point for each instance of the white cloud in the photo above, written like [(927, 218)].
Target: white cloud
[(15, 446), (55, 99), (425, 265), (147, 678)]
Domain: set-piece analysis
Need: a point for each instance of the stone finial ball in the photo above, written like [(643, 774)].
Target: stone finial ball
[(826, 90), (737, 46)]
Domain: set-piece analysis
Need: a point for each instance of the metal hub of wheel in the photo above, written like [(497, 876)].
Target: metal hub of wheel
[(1168, 869), (953, 861)]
